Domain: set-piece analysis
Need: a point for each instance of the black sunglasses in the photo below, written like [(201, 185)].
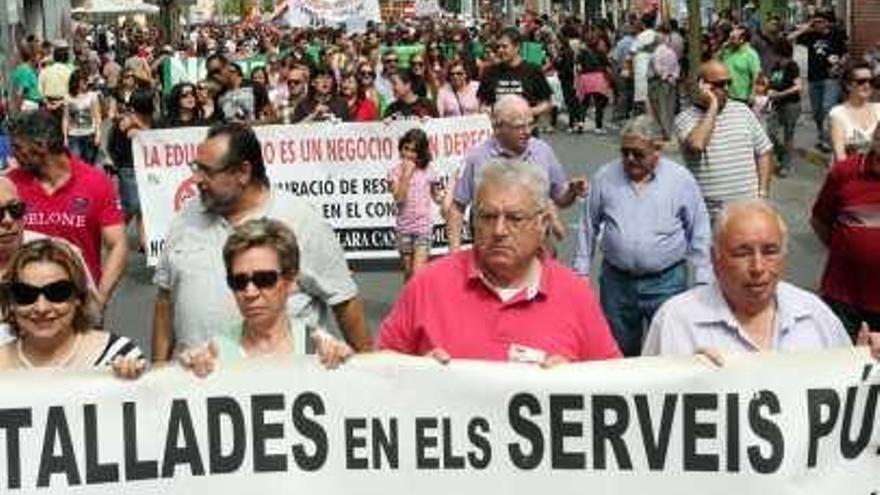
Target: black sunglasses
[(861, 81), (262, 279), (720, 84), (57, 292), (15, 209), (367, 74), (634, 152)]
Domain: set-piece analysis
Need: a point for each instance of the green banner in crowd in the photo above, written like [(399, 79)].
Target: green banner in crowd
[(192, 69)]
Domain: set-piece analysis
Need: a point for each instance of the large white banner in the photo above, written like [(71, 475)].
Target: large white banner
[(339, 168), (354, 14), (382, 424)]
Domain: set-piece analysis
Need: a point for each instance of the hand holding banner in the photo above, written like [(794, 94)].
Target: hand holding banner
[(386, 423)]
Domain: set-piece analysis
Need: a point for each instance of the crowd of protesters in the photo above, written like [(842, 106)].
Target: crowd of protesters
[(80, 102)]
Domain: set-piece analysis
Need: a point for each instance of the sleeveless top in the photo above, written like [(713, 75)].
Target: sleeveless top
[(857, 139)]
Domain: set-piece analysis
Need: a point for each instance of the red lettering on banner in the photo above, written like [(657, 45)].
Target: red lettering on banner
[(287, 151), (311, 150), (458, 143), (360, 149), (151, 157), (434, 145), (176, 155)]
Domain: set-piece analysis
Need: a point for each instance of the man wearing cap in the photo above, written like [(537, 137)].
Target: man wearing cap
[(54, 79)]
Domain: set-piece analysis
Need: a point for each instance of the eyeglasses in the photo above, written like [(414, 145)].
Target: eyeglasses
[(862, 81), (14, 209), (262, 279), (366, 75), (26, 294), (514, 221), (457, 74), (636, 153), (201, 168), (719, 84)]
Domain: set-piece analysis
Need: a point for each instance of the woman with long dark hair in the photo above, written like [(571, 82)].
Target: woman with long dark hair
[(183, 108), (360, 106)]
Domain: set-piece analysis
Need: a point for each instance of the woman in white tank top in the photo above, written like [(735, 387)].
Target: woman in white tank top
[(853, 121)]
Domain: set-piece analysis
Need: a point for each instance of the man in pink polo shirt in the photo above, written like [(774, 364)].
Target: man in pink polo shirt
[(501, 301), (68, 198)]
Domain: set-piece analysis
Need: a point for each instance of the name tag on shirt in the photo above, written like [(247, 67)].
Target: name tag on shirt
[(521, 354)]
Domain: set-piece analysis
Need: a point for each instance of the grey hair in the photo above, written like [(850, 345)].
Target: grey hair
[(505, 105), (264, 232), (643, 126), (511, 172), (748, 207)]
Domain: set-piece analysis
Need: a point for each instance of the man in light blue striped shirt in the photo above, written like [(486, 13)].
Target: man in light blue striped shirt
[(653, 220)]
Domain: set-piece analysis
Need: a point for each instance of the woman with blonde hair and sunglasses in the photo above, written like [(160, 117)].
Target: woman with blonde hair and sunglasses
[(262, 262), (48, 304)]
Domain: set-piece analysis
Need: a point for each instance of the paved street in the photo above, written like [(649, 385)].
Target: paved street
[(130, 313)]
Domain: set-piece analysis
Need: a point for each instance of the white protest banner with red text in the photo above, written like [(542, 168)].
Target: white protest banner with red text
[(339, 168), (804, 424)]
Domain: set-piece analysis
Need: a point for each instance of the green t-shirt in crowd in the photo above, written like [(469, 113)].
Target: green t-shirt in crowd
[(24, 80), (744, 65), (533, 53)]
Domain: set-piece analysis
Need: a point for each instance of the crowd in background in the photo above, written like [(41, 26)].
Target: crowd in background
[(105, 85)]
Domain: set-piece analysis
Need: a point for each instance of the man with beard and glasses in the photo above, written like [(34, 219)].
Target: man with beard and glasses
[(193, 302)]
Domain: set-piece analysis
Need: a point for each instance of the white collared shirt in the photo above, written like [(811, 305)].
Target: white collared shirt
[(701, 319)]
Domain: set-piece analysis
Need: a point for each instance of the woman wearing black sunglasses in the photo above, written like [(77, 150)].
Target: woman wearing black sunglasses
[(47, 300), (262, 261), (853, 121)]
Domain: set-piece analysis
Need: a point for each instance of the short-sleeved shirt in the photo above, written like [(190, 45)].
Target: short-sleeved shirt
[(781, 77), (701, 319), (849, 202), (744, 65), (24, 81), (77, 211), (537, 153), (414, 213), (727, 169), (54, 80), (191, 268), (448, 305), (525, 80), (821, 52)]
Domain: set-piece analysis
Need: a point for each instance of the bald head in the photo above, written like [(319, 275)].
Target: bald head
[(748, 212), (713, 70), (749, 255)]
